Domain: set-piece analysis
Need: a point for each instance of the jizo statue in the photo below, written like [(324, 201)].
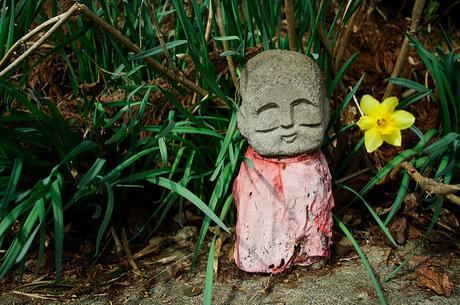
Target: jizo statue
[(283, 196)]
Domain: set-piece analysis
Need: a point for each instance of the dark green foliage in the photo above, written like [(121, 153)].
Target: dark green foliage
[(52, 165)]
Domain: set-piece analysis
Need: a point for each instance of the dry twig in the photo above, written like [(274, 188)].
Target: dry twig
[(207, 32), (290, 20), (129, 256), (353, 175), (34, 295), (220, 23), (404, 52), (63, 18), (82, 9), (432, 186), (26, 37), (126, 42), (343, 41), (156, 25)]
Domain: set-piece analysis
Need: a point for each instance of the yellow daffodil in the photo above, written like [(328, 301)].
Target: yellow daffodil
[(380, 122)]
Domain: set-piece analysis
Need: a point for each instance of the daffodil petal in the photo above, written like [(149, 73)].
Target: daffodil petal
[(372, 139), (389, 104), (403, 119), (366, 122), (370, 106), (393, 138)]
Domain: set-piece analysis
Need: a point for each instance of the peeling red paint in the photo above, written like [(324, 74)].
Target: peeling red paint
[(284, 212), (278, 182)]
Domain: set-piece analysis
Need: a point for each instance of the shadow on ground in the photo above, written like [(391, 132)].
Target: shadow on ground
[(342, 282)]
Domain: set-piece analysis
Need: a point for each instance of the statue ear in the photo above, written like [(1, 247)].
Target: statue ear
[(243, 82), (242, 116), (327, 110), (243, 122)]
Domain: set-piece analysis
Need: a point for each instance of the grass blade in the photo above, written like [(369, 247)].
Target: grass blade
[(13, 182), (340, 74), (399, 198), (209, 275), (363, 258), (179, 189), (58, 214), (335, 116), (373, 213), (107, 216)]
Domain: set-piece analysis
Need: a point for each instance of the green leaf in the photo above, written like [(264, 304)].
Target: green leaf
[(118, 136), (336, 114), (230, 53), (78, 150), (399, 198), (58, 214), (414, 98), (442, 144), (163, 151), (434, 220), (92, 173), (107, 216), (187, 130), (226, 38), (20, 240), (13, 182), (157, 50), (144, 175), (363, 258), (386, 169), (209, 274), (340, 74), (228, 138), (117, 170), (221, 187), (182, 191), (372, 212), (410, 84)]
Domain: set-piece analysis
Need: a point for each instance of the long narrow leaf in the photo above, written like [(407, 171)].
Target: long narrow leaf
[(364, 260), (179, 189), (58, 214)]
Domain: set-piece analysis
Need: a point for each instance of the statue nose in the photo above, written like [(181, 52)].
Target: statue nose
[(286, 121)]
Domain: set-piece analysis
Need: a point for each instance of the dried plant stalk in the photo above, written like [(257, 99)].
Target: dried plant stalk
[(343, 42), (156, 25), (404, 52), (290, 20), (432, 186), (82, 9), (220, 23), (63, 18)]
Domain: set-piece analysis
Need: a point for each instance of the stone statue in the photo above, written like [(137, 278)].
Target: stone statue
[(283, 196)]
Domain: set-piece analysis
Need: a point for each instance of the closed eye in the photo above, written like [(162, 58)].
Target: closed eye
[(267, 107), (301, 101), (305, 113), (310, 124), (266, 129)]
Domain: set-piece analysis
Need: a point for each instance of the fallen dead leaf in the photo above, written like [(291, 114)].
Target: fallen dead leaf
[(399, 228), (193, 291), (185, 234), (413, 232), (221, 237), (155, 245), (352, 220), (439, 283), (417, 261)]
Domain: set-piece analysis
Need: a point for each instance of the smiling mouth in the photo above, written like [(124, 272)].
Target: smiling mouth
[(289, 138)]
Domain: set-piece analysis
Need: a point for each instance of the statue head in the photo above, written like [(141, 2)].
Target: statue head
[(284, 111)]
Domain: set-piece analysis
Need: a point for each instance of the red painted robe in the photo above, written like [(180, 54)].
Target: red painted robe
[(284, 212)]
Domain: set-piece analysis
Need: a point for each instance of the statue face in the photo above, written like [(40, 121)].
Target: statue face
[(284, 110)]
